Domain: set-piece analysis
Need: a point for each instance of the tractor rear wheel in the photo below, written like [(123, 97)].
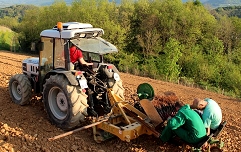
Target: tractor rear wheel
[(20, 89), (66, 105)]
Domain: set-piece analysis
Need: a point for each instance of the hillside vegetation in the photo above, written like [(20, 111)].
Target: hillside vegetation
[(167, 40), (15, 11), (223, 3), (232, 11), (6, 38)]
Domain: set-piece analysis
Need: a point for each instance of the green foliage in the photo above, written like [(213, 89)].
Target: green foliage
[(225, 33), (223, 3), (236, 56), (190, 64), (36, 20), (149, 68), (105, 15), (231, 78), (129, 64), (168, 62), (229, 11), (6, 40), (15, 11), (9, 22)]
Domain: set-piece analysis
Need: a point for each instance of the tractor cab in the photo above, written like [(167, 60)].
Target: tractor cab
[(57, 41)]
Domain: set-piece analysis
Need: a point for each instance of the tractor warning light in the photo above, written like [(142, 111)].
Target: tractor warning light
[(60, 26), (78, 73), (109, 67)]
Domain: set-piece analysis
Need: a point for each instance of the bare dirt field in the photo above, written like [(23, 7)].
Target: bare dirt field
[(27, 129)]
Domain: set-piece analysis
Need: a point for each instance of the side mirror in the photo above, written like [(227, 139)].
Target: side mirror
[(33, 46), (39, 46)]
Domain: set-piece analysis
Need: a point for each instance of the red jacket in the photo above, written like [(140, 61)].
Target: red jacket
[(75, 54)]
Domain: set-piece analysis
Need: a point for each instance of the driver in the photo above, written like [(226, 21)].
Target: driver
[(76, 55)]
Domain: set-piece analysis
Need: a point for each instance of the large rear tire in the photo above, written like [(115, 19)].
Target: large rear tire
[(20, 89), (66, 105)]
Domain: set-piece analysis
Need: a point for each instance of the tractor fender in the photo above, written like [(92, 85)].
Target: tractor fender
[(106, 71), (71, 78)]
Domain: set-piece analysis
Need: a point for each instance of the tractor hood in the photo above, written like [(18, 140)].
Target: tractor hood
[(95, 45)]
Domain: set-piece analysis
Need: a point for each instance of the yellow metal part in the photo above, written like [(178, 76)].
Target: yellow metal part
[(121, 124)]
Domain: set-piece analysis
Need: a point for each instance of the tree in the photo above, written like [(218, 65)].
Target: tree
[(36, 20), (169, 64), (225, 32)]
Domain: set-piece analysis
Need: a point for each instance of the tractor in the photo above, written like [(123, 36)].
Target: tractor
[(69, 95)]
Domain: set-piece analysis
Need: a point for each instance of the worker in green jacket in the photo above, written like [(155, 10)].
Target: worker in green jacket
[(186, 124)]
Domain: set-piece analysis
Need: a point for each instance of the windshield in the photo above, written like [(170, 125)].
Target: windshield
[(95, 45)]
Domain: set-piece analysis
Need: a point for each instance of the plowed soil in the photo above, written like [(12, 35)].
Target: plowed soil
[(27, 128)]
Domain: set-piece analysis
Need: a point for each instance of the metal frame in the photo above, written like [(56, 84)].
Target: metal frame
[(125, 122)]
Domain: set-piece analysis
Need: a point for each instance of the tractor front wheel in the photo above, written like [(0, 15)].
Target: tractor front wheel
[(20, 89), (66, 105)]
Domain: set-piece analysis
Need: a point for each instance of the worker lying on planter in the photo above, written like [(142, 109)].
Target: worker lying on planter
[(186, 124)]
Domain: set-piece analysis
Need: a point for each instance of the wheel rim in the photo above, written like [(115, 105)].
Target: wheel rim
[(62, 102), (58, 103), (16, 90)]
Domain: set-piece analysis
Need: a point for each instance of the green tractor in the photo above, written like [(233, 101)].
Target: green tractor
[(69, 95)]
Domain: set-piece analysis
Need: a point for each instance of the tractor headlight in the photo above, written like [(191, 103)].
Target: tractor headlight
[(116, 77)]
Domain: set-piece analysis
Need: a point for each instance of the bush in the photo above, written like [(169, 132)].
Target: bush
[(7, 40)]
